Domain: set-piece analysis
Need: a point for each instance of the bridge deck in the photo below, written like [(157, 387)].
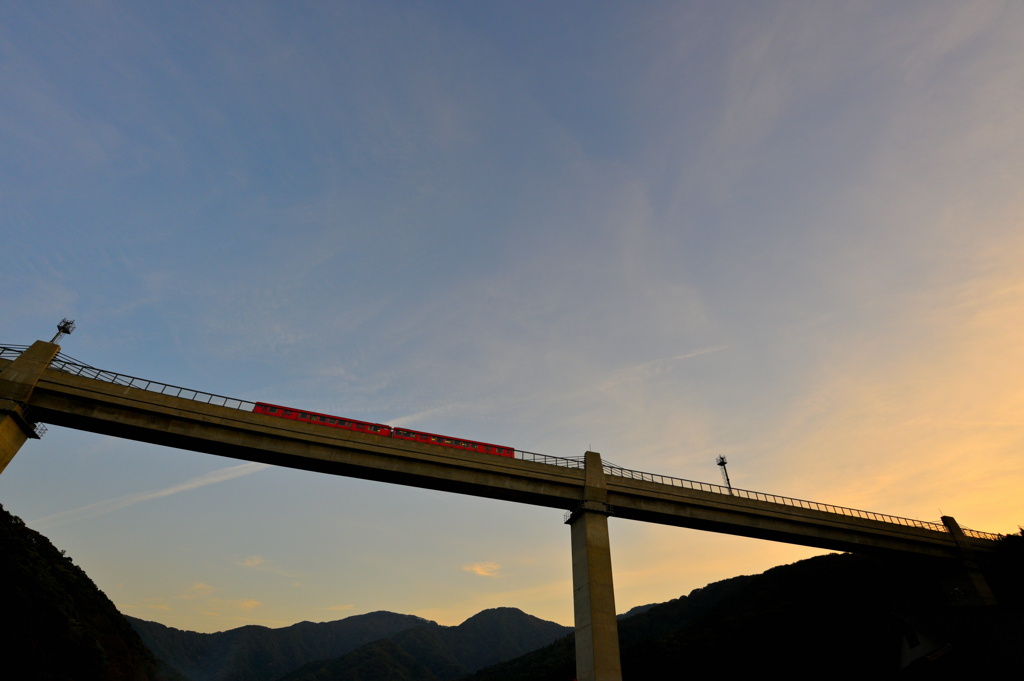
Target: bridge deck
[(113, 408)]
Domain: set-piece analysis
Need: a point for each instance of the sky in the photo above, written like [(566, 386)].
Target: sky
[(790, 233)]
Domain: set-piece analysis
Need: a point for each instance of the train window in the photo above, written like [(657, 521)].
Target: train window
[(272, 410), (323, 419), (303, 416), (332, 421)]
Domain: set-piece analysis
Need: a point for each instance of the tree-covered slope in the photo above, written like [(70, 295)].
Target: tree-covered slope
[(826, 615), (54, 623), (557, 661)]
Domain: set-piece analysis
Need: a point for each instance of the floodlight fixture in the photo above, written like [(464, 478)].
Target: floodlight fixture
[(725, 473), (65, 327)]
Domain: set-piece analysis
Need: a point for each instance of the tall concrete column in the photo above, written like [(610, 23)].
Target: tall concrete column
[(982, 592), (597, 630), (17, 382)]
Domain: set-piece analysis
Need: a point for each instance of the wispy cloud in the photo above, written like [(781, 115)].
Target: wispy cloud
[(197, 590), (117, 503), (433, 413), (483, 569), (261, 564), (655, 367)]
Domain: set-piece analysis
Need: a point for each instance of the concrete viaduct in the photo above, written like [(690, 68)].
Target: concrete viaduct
[(40, 386)]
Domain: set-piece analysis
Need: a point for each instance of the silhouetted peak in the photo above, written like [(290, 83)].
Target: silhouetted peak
[(495, 615)]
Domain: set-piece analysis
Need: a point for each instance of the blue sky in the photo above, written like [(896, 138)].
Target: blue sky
[(786, 232)]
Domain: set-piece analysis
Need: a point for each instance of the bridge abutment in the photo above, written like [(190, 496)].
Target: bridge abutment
[(597, 632), (17, 381)]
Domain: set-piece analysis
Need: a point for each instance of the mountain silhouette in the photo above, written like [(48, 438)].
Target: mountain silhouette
[(436, 653), (256, 653)]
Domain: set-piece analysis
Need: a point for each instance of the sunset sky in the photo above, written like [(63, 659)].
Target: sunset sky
[(791, 233)]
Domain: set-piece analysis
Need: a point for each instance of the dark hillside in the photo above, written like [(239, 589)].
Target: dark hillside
[(830, 615), (1005, 570), (557, 661), (54, 623), (826, 615), (378, 661), (254, 653)]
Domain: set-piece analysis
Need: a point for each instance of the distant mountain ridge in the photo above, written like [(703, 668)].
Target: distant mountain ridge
[(255, 653), (436, 653)]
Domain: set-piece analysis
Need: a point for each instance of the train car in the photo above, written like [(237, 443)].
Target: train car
[(278, 411), (455, 443), (322, 419)]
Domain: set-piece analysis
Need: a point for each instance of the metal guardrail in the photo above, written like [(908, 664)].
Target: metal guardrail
[(72, 366), (772, 498), (12, 351), (978, 534), (564, 462)]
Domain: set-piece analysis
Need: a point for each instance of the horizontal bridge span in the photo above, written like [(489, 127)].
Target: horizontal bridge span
[(123, 408)]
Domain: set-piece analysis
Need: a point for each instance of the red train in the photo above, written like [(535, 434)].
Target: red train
[(380, 429)]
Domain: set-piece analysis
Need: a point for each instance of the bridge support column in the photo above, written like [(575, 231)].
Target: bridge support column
[(597, 630), (982, 591), (17, 382)]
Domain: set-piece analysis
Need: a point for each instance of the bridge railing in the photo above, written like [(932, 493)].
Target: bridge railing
[(78, 369), (12, 351), (978, 534), (72, 366), (563, 461), (611, 469)]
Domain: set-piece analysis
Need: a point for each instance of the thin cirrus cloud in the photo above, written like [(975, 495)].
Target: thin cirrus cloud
[(117, 503)]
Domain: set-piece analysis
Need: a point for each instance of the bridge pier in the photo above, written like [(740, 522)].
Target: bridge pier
[(17, 382), (597, 630), (982, 592)]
